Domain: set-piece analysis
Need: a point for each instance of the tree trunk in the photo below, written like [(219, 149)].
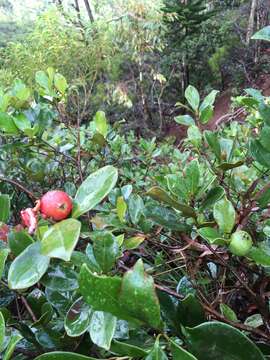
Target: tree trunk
[(89, 11), (250, 28)]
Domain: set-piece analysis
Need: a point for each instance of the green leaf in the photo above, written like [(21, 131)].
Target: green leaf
[(161, 195), (193, 97), (259, 256), (106, 249), (216, 340), (62, 355), (211, 235), (4, 208), (100, 122), (264, 138), (78, 318), (19, 241), (228, 166), (133, 242), (101, 292), (209, 100), (194, 135), (224, 215), (186, 120), (2, 331), (156, 353), (28, 268), (102, 328), (263, 34), (259, 153), (60, 277), (212, 197), (43, 80), (138, 295), (22, 122), (14, 339), (178, 353), (61, 239), (122, 298), (3, 257), (264, 199), (192, 177), (165, 217), (264, 111), (206, 114), (60, 83), (190, 312), (125, 349), (121, 208), (212, 140), (94, 189), (228, 313), (135, 208), (7, 124)]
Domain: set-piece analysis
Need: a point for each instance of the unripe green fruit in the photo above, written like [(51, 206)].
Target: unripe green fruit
[(241, 243)]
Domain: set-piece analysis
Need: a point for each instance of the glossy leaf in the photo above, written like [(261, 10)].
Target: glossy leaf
[(224, 215), (259, 256), (94, 189), (61, 239), (3, 257), (161, 195), (101, 292), (192, 177), (78, 318), (139, 297), (60, 83), (62, 355), (106, 249), (209, 100), (102, 328), (135, 208), (186, 120), (212, 197), (263, 34), (19, 241), (211, 235), (165, 217), (7, 124), (193, 97), (121, 208), (212, 140), (156, 353), (190, 312), (2, 331), (259, 153), (126, 349), (14, 339), (178, 353), (215, 340), (28, 268), (228, 313), (4, 208), (100, 122), (60, 277), (133, 242)]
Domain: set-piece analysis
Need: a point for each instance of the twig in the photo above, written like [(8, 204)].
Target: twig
[(19, 186), (28, 308)]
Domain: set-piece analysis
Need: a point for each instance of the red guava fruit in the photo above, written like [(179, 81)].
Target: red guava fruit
[(4, 229), (56, 205)]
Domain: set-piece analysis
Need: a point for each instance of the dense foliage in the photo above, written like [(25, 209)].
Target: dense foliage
[(161, 241), (115, 242)]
